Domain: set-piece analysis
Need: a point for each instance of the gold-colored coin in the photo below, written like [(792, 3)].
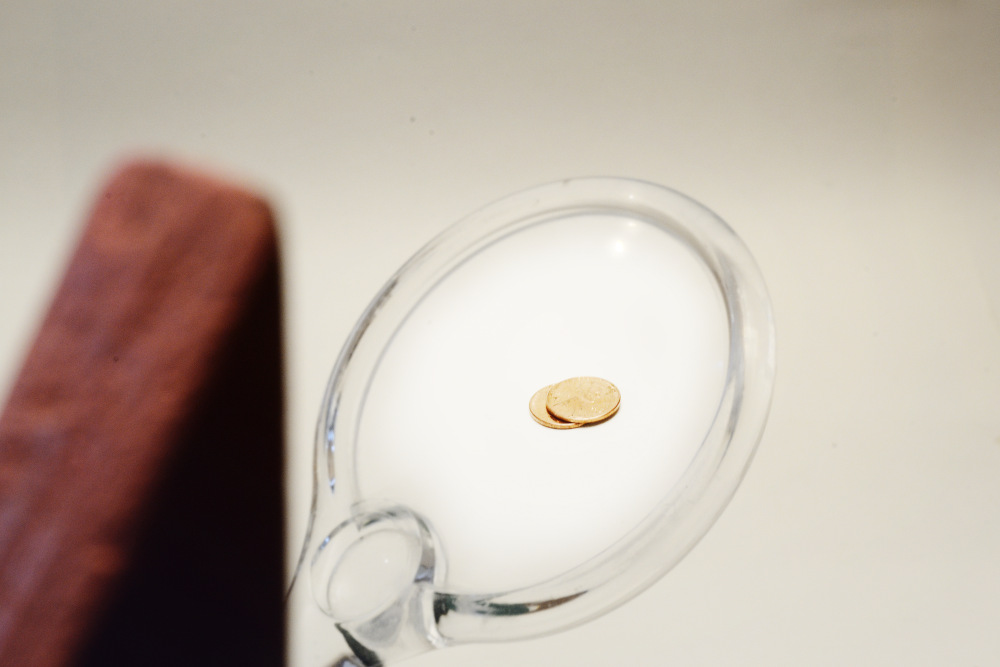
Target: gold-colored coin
[(583, 400), (541, 415)]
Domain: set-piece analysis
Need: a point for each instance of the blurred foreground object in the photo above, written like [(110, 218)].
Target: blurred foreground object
[(141, 463)]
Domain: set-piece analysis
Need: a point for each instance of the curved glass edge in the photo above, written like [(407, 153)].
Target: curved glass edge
[(653, 547)]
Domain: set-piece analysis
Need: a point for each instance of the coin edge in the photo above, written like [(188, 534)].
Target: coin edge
[(555, 423)]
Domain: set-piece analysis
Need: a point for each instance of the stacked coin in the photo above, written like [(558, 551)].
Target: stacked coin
[(575, 402)]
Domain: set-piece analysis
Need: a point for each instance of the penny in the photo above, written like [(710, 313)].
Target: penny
[(583, 400), (541, 415)]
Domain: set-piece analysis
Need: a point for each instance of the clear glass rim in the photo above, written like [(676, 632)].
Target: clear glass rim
[(686, 511)]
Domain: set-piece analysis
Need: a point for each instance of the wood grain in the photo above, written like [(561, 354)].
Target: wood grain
[(140, 447)]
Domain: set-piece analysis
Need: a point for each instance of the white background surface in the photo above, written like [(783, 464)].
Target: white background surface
[(854, 146)]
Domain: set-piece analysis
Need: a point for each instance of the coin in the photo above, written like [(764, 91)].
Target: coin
[(541, 415), (583, 400)]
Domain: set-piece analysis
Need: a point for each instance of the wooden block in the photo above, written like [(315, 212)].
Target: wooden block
[(141, 446)]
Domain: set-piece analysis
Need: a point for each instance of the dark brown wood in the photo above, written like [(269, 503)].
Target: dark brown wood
[(141, 445)]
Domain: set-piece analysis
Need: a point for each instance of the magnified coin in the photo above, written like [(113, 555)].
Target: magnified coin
[(583, 400), (541, 415)]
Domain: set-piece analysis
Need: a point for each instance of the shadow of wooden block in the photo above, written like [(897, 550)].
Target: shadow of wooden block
[(141, 461)]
